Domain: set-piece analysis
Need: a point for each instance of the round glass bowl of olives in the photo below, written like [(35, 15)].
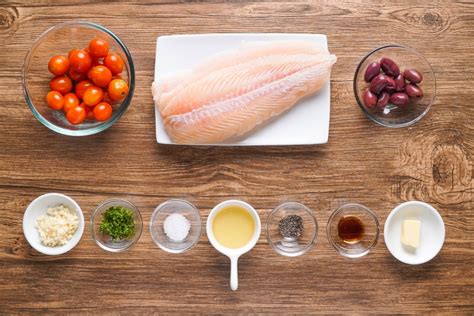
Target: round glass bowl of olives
[(394, 86)]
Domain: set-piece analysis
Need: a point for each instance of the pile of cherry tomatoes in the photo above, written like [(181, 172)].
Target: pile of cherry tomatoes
[(87, 82)]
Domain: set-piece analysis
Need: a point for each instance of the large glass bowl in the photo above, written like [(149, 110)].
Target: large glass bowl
[(391, 115), (60, 39)]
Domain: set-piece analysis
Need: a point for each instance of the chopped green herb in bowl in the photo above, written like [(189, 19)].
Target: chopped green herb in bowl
[(118, 223)]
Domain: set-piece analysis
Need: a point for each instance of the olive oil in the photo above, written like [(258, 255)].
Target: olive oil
[(233, 227)]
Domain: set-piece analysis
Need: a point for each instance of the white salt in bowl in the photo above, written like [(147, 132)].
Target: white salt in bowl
[(432, 232), (38, 207), (157, 229)]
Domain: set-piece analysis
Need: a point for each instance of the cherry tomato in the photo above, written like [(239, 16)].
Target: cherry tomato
[(80, 60), (70, 101), (76, 76), (117, 89), (93, 95), (89, 111), (55, 100), (97, 62), (98, 48), (58, 65), (100, 75), (89, 74), (81, 87), (61, 84), (76, 115), (107, 98), (114, 62), (72, 51), (102, 111)]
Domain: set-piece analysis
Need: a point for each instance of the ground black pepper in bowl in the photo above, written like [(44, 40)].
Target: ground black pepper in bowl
[(291, 226)]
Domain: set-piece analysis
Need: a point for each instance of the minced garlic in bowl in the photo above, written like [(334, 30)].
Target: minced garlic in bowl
[(57, 226)]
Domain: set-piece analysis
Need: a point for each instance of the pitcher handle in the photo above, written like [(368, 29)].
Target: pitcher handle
[(234, 276)]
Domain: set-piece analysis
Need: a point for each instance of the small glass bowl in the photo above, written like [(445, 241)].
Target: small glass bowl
[(369, 237), (59, 40), (391, 115), (104, 241), (175, 206), (286, 246)]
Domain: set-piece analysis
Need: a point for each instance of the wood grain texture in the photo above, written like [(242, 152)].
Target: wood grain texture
[(430, 161)]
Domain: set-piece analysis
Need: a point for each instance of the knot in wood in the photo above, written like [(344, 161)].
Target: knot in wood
[(8, 18), (16, 247), (451, 172), (433, 20)]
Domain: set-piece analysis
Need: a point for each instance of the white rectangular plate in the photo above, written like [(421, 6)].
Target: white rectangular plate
[(305, 123)]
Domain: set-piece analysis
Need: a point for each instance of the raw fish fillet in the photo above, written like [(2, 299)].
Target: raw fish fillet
[(249, 51), (234, 92)]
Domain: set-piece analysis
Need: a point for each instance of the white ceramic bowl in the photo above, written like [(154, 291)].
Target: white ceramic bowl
[(432, 232), (233, 254), (38, 207)]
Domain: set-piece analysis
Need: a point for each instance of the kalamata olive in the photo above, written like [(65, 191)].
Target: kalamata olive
[(413, 91), (380, 82), (389, 67), (383, 99), (399, 83), (372, 70), (370, 99), (399, 99), (413, 75), (390, 88)]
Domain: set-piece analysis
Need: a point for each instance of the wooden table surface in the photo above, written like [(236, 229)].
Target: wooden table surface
[(431, 161)]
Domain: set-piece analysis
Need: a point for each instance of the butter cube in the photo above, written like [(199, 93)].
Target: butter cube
[(411, 233)]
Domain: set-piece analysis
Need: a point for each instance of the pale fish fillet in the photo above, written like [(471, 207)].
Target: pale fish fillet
[(165, 90), (237, 115), (231, 82), (253, 50)]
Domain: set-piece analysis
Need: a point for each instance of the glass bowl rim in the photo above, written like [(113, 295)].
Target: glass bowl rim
[(372, 215), (104, 125), (137, 235), (358, 99), (314, 235), (157, 211)]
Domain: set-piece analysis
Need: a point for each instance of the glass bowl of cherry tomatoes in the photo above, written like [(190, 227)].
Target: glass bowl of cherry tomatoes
[(78, 78)]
